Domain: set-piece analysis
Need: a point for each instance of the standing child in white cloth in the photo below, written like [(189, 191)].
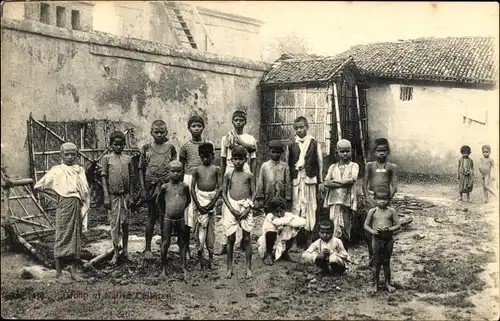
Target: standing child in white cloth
[(190, 159), (341, 195), (69, 183), (117, 174), (306, 165), (278, 231), (238, 195), (237, 137), (205, 191)]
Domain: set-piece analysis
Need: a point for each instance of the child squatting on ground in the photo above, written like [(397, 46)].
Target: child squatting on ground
[(274, 178), (237, 137), (465, 173), (341, 194), (173, 199), (190, 158), (205, 191), (238, 195), (306, 166), (381, 222), (486, 166), (153, 172), (380, 176), (69, 184), (117, 174), (278, 232), (327, 252)]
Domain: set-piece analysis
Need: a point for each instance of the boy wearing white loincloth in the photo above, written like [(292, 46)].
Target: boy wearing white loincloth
[(190, 159), (69, 183), (238, 195), (205, 191)]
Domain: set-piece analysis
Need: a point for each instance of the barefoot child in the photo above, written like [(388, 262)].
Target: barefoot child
[(486, 166), (173, 200), (380, 176), (274, 177), (190, 158), (237, 137), (69, 184), (306, 165), (465, 172), (341, 194), (278, 231), (238, 194), (153, 172), (205, 191), (117, 173), (327, 252), (381, 222)]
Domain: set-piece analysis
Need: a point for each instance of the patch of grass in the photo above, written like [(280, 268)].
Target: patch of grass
[(459, 300)]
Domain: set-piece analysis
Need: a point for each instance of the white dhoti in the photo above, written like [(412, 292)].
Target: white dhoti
[(292, 225), (230, 223), (304, 199), (206, 222)]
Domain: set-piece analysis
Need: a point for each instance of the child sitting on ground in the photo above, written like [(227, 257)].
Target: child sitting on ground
[(278, 231), (327, 252), (117, 173), (205, 191), (465, 173), (381, 222), (486, 166), (341, 195), (173, 200), (238, 195), (274, 178), (68, 182)]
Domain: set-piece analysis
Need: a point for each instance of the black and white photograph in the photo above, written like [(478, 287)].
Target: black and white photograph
[(252, 160)]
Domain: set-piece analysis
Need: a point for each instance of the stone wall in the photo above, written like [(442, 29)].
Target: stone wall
[(69, 75)]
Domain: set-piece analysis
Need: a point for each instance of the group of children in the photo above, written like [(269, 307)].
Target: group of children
[(466, 172), (182, 190)]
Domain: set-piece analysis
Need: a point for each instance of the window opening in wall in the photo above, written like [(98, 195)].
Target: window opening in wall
[(45, 13), (75, 20), (406, 93), (61, 16)]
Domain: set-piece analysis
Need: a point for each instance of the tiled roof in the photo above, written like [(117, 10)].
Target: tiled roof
[(302, 70), (463, 59)]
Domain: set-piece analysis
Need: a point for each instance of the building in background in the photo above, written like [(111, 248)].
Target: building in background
[(168, 22), (430, 96)]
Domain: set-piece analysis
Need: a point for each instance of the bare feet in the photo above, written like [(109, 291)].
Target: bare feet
[(163, 274), (268, 260), (199, 266), (76, 277), (209, 266), (229, 273), (249, 274), (184, 274), (114, 260), (188, 255), (390, 289), (374, 290), (148, 255), (223, 251)]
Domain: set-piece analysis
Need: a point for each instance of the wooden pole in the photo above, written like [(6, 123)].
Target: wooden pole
[(360, 124), (337, 111)]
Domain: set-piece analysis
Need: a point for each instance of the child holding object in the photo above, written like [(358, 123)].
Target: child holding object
[(341, 195), (173, 200), (117, 173), (327, 252), (238, 195), (486, 166), (465, 173), (278, 231), (69, 183), (381, 222), (205, 191)]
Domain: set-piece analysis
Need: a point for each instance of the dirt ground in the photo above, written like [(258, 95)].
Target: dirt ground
[(445, 266)]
